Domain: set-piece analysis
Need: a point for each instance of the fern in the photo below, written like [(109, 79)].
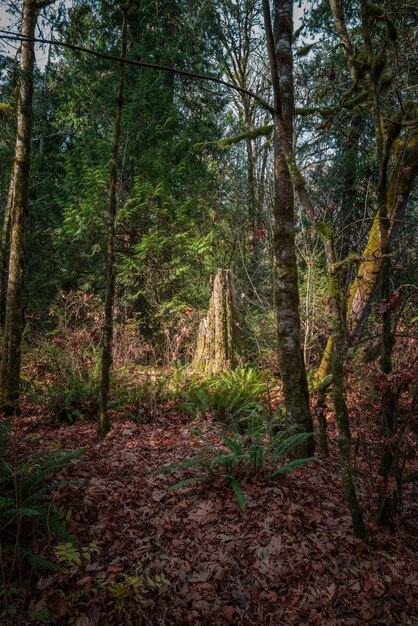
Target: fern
[(236, 393), (24, 492), (186, 482), (289, 467), (238, 492), (258, 448)]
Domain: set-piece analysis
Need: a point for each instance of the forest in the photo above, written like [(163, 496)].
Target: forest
[(208, 312)]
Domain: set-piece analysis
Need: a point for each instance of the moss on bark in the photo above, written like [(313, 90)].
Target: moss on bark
[(14, 314)]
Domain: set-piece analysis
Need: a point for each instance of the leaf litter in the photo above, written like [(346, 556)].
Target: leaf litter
[(290, 558)]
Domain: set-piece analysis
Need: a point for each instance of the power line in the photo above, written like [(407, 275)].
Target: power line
[(10, 36)]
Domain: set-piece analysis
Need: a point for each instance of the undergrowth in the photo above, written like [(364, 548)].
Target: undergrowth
[(229, 452), (26, 509), (229, 394)]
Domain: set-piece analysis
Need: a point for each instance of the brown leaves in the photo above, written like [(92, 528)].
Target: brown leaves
[(395, 383), (205, 512), (289, 559), (389, 303)]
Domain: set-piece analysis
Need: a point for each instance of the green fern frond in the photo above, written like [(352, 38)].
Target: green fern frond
[(238, 492), (290, 467), (186, 482)]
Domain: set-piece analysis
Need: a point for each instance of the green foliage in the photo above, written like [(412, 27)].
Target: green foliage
[(229, 394), (124, 594), (6, 111), (227, 452), (131, 591), (24, 500), (73, 398), (68, 554), (138, 394)]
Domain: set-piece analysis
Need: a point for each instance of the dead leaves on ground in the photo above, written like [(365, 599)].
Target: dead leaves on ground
[(289, 559)]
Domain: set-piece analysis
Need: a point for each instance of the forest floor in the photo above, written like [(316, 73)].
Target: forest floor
[(289, 559)]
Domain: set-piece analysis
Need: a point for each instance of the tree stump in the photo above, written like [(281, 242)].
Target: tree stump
[(218, 344)]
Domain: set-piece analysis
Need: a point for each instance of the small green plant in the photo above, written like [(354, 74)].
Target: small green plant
[(127, 595), (229, 452), (76, 397), (130, 592), (68, 554), (140, 397)]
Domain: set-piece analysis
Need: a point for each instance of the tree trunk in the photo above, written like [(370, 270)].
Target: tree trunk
[(251, 184), (14, 316), (292, 367), (5, 229), (340, 406), (218, 345), (104, 423), (388, 500), (335, 286), (397, 193), (399, 188)]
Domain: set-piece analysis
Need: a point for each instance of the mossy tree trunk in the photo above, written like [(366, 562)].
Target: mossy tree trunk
[(327, 237), (14, 314), (398, 186), (19, 195), (106, 364), (361, 291), (292, 367), (389, 498), (340, 406), (219, 338)]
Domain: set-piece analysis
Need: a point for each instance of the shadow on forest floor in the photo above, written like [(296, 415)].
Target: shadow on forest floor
[(290, 558)]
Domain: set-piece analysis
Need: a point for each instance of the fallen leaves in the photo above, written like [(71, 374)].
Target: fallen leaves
[(289, 559)]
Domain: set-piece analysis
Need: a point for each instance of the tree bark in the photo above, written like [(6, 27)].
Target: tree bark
[(326, 234), (292, 367), (398, 189), (219, 338), (341, 412), (106, 364), (14, 315), (5, 231)]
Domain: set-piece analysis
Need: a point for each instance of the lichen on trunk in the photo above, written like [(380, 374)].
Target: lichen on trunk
[(218, 344)]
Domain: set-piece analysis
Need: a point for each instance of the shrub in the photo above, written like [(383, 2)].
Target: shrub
[(23, 488), (229, 394), (227, 452), (74, 398), (138, 394)]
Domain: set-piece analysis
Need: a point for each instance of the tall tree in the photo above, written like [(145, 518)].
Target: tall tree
[(14, 316), (291, 362), (334, 282), (104, 423)]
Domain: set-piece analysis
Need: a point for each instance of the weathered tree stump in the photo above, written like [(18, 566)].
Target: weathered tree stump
[(218, 344)]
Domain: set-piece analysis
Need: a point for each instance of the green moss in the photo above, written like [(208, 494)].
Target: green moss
[(304, 50), (358, 99), (324, 230), (392, 30), (351, 258), (378, 64), (249, 134), (294, 172), (6, 110), (365, 279)]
